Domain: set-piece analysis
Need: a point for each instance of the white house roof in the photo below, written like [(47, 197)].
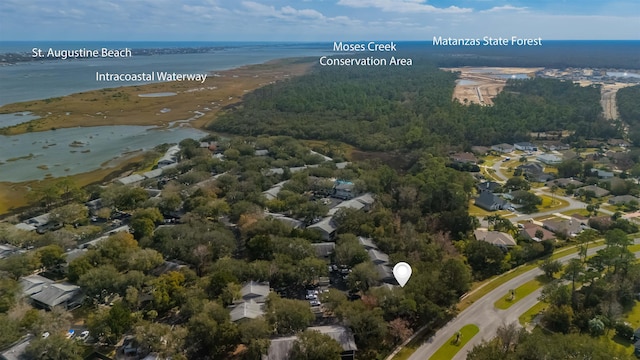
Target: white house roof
[(25, 227), (131, 179), (153, 173), (378, 256), (324, 249), (349, 204), (494, 237), (366, 199), (246, 310), (255, 290)]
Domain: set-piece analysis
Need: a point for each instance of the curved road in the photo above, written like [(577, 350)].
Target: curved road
[(483, 314)]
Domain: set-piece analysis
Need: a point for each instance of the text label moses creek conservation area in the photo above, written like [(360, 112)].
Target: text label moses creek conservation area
[(364, 47), (150, 77)]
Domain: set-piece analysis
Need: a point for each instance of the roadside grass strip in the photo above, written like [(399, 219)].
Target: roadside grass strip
[(451, 348), (520, 293), (530, 314)]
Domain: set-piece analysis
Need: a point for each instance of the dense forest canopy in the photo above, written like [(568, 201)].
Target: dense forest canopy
[(629, 109), (383, 108)]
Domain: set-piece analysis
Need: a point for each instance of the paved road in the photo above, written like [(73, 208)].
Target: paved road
[(483, 314)]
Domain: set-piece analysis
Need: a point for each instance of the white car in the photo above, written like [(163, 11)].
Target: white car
[(83, 335), (45, 335)]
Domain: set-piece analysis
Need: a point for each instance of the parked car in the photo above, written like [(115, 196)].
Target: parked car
[(83, 335)]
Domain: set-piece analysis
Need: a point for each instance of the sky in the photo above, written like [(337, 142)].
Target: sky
[(316, 20)]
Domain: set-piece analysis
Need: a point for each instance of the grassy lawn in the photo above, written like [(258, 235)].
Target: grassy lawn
[(520, 293), (450, 349), (582, 212), (551, 204), (413, 345), (530, 314)]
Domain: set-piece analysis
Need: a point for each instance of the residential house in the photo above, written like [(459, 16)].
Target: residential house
[(534, 172), (17, 350), (623, 199), (281, 347), (349, 204), (480, 150), (564, 182), (563, 227), (273, 192), (166, 267), (324, 249), (294, 223), (33, 284), (602, 174), (525, 146), (554, 145), (366, 199), (255, 291), (378, 257), (344, 190), (503, 148), (464, 158), (342, 165), (246, 310), (531, 231), (618, 142), (490, 186), (490, 202), (497, 238), (549, 159), (131, 179), (63, 295), (327, 228), (7, 250), (367, 243), (170, 157), (262, 152), (598, 191), (385, 274)]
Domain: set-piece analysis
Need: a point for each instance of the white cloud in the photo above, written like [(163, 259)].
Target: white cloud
[(403, 6), (505, 8)]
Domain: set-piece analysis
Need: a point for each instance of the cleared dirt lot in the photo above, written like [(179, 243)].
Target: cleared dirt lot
[(480, 85)]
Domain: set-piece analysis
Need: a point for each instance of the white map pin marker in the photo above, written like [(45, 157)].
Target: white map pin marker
[(402, 272)]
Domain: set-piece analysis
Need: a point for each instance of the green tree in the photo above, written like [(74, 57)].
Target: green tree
[(54, 347), (288, 316), (69, 214), (550, 267), (254, 333), (211, 334), (362, 277), (485, 259), (9, 290), (349, 251), (143, 222), (312, 345), (162, 339), (109, 324), (51, 256)]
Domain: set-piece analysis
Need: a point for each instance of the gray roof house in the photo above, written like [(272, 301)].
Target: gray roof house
[(367, 243), (33, 284), (496, 238), (385, 274), (549, 159), (255, 291), (623, 199), (602, 174), (564, 227), (63, 295), (349, 204), (326, 226), (503, 148), (490, 202), (525, 146), (281, 347), (17, 351), (378, 257), (598, 191), (344, 190), (7, 250), (564, 182), (324, 249), (246, 310)]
